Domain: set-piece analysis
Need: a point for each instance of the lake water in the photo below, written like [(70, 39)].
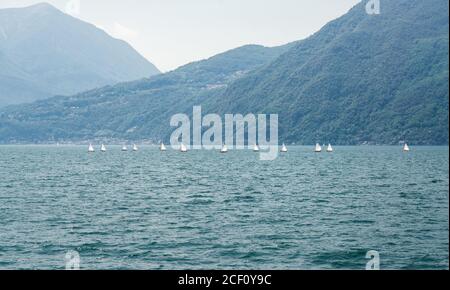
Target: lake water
[(205, 210)]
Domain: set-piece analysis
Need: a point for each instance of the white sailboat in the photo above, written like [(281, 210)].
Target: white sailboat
[(224, 149), (124, 148), (318, 148), (183, 148), (284, 149), (329, 148), (103, 148), (135, 148), (162, 147), (256, 148), (406, 148), (91, 148)]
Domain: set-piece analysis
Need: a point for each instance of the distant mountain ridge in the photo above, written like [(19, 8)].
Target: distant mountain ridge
[(44, 52), (125, 111), (362, 79)]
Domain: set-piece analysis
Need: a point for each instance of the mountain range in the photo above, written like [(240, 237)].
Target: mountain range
[(361, 79), (45, 52)]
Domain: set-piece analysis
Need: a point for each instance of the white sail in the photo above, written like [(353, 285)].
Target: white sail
[(256, 148), (103, 148), (91, 148), (284, 148), (183, 148), (329, 148), (135, 148), (224, 149), (318, 148), (406, 148), (162, 147), (124, 148)]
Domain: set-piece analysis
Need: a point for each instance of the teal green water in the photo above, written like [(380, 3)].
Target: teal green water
[(205, 210)]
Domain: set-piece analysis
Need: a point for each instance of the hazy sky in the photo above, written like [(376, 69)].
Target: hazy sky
[(171, 33)]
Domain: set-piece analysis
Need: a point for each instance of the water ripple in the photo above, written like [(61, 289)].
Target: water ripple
[(204, 210)]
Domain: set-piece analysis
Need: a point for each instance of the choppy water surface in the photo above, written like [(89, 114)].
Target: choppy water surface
[(205, 210)]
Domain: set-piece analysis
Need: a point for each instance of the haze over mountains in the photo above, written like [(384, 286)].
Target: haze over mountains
[(361, 79), (44, 52)]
